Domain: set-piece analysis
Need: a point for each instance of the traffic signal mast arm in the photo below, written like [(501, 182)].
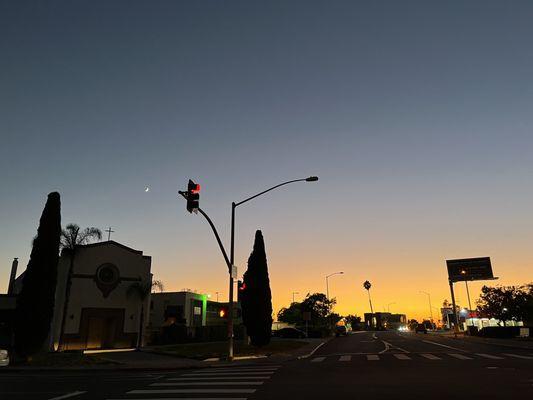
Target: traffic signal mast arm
[(184, 194)]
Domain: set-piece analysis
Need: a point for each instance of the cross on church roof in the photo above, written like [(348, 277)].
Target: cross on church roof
[(109, 231)]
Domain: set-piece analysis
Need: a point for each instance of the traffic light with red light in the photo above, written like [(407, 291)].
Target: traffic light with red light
[(241, 288), (193, 196)]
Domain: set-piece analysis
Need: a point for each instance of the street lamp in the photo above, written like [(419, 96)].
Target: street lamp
[(293, 293), (327, 284), (217, 293), (430, 308), (232, 253)]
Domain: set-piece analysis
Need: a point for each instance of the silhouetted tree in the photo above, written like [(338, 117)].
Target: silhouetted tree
[(35, 302), (291, 314), (71, 238), (319, 306), (142, 291), (257, 298), (506, 303)]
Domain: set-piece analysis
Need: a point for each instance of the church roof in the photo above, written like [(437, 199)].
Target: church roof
[(112, 242)]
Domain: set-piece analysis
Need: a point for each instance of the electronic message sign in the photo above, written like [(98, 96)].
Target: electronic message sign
[(470, 269)]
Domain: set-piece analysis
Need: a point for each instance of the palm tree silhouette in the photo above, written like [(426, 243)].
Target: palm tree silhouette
[(71, 238), (142, 290)]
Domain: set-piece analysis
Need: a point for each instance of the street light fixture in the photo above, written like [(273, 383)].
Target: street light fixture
[(327, 283), (234, 205), (293, 293)]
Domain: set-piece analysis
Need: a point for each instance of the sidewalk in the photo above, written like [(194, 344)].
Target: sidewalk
[(148, 360)]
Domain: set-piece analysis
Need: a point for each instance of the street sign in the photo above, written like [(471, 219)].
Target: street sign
[(469, 269), (367, 285), (234, 274)]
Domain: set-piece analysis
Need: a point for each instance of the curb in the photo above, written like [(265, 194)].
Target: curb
[(314, 350)]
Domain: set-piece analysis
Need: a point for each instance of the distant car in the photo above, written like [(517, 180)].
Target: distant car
[(421, 328), (341, 330), (4, 358), (290, 333)]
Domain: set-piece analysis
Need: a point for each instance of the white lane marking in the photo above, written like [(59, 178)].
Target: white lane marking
[(345, 358), (460, 356), (318, 359), (312, 351), (67, 396), (170, 391), (431, 357), (241, 368), (206, 384), (372, 357), (443, 345), (518, 356), (229, 373), (489, 356), (389, 346), (254, 370), (189, 398), (401, 356), (214, 378)]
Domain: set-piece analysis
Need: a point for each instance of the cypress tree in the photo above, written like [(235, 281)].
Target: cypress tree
[(257, 298), (35, 303)]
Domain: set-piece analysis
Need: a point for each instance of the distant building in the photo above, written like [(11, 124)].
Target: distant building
[(99, 313), (189, 309), (384, 320), (182, 308)]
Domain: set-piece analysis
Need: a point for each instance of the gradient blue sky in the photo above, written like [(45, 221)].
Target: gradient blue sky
[(416, 115)]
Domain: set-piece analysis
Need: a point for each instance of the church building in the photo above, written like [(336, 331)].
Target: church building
[(104, 306)]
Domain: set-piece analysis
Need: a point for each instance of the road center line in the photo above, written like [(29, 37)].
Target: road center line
[(66, 396), (444, 345)]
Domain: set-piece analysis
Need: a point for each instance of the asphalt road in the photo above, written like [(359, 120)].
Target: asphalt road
[(363, 365)]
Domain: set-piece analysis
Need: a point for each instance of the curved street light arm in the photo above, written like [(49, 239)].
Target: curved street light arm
[(268, 190)]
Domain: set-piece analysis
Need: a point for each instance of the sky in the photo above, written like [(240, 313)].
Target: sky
[(417, 116)]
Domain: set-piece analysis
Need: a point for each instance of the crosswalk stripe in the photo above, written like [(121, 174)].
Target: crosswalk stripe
[(401, 356), (489, 356), (189, 398), (431, 357), (185, 391), (206, 384), (459, 356), (228, 373), (372, 357), (345, 358), (242, 369), (214, 378), (318, 359), (518, 356)]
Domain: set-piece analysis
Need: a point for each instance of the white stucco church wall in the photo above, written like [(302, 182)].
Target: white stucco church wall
[(100, 313)]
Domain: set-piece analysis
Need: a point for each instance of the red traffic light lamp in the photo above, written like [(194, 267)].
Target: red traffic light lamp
[(193, 196)]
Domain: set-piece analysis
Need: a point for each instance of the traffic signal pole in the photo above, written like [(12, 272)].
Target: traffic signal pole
[(231, 283)]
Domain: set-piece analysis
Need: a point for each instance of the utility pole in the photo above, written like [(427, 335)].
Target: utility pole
[(430, 308)]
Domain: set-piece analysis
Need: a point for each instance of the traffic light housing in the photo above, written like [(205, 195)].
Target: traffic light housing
[(241, 287), (193, 196), (223, 312)]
